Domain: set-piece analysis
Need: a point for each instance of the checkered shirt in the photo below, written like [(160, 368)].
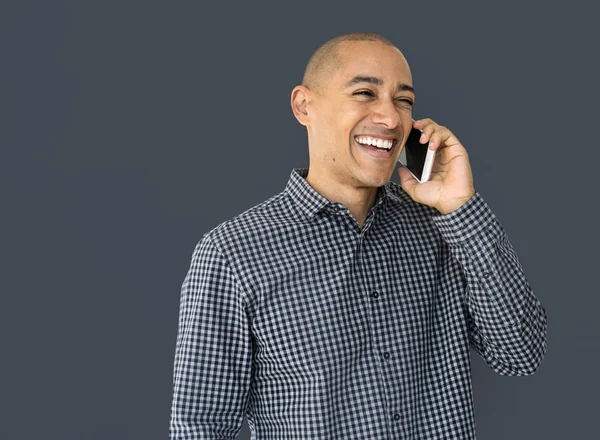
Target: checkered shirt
[(314, 327)]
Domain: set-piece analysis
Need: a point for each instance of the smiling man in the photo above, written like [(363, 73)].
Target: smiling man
[(354, 94), (346, 305)]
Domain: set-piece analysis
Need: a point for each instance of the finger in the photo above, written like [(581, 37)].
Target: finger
[(407, 181), (439, 137), (422, 123), (427, 131)]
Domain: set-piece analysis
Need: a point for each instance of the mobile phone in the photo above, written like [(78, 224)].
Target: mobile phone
[(417, 157)]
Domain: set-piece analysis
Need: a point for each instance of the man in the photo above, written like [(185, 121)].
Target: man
[(344, 307)]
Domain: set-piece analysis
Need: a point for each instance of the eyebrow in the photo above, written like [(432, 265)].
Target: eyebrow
[(400, 87)]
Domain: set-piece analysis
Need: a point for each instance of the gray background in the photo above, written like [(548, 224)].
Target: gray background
[(131, 128)]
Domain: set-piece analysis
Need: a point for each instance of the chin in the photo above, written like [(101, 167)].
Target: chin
[(374, 179)]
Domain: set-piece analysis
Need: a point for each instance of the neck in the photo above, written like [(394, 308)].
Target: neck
[(358, 200)]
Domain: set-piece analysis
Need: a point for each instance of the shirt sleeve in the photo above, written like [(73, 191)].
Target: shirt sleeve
[(506, 323), (213, 354)]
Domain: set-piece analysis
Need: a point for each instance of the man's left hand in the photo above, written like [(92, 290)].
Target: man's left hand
[(451, 181)]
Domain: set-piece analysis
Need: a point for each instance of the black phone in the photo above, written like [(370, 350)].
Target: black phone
[(417, 157)]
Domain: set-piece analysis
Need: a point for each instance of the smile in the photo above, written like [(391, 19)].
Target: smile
[(377, 147)]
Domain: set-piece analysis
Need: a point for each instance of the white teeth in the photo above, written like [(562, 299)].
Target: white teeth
[(380, 143)]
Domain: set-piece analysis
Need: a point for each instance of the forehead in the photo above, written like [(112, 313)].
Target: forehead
[(371, 58)]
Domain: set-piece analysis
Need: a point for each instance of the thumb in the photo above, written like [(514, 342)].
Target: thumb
[(407, 181)]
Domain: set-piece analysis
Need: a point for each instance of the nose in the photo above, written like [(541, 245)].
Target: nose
[(385, 112)]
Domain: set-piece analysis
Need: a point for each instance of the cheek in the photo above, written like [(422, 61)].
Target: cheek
[(353, 118), (337, 123)]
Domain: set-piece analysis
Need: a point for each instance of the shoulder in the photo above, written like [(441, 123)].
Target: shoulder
[(243, 230)]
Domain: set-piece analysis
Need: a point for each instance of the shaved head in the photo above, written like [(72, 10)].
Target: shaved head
[(326, 59)]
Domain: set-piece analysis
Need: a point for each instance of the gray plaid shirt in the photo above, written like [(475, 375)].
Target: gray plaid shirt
[(316, 328)]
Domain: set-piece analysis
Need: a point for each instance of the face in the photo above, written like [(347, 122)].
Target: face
[(379, 108)]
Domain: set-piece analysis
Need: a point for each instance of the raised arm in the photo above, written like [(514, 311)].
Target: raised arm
[(507, 323)]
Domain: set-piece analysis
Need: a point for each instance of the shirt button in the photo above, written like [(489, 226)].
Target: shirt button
[(386, 355), (486, 274), (375, 294), (396, 416)]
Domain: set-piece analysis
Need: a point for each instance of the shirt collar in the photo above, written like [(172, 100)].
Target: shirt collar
[(311, 202)]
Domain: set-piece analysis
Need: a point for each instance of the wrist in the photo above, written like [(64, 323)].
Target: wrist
[(453, 205)]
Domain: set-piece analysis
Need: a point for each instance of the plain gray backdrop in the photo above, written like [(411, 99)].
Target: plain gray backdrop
[(131, 128)]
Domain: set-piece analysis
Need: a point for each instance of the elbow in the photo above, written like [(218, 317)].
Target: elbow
[(524, 361), (537, 357), (531, 360), (536, 348), (540, 346)]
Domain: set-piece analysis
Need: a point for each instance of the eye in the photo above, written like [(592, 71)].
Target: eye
[(406, 101)]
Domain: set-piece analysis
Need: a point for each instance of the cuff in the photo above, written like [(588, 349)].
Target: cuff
[(469, 219)]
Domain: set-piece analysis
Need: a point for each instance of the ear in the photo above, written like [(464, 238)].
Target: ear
[(299, 101)]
